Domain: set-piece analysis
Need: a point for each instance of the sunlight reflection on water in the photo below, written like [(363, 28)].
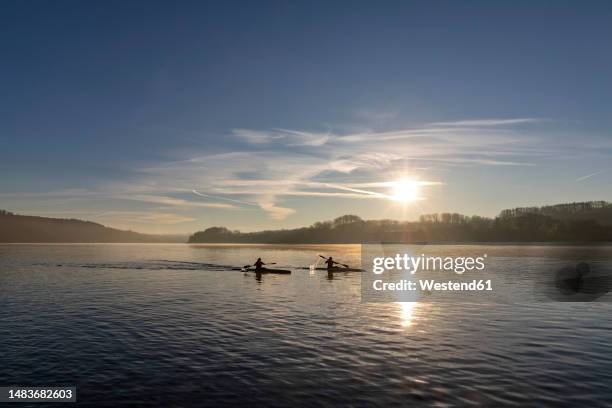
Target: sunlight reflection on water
[(407, 313)]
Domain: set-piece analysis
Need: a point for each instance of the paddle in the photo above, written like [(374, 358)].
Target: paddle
[(346, 266)]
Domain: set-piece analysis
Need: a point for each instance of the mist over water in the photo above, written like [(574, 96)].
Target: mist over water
[(174, 325)]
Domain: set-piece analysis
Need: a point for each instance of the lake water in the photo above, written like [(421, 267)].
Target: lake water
[(173, 325)]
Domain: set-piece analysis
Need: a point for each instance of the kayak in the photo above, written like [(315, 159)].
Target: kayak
[(343, 270), (268, 270)]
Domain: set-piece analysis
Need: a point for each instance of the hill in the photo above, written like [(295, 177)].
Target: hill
[(576, 222), (29, 229)]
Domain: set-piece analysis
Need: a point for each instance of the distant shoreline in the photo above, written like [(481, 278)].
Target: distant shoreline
[(500, 243), (561, 224)]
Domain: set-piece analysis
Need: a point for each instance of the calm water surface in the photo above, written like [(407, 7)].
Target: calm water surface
[(173, 325)]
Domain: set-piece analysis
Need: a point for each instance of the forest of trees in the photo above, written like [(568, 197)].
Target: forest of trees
[(600, 211), (576, 222)]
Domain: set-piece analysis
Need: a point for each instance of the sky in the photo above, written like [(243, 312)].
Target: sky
[(171, 117)]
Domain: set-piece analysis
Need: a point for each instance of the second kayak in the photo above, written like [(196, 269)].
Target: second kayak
[(338, 269), (343, 270), (335, 269)]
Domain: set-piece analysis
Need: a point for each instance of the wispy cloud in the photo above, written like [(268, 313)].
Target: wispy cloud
[(489, 122), (172, 201), (196, 192), (588, 176), (286, 136), (268, 204), (164, 218)]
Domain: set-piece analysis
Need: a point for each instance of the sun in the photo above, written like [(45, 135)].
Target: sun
[(405, 191)]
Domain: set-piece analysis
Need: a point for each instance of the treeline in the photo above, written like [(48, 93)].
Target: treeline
[(29, 229), (518, 225), (600, 211)]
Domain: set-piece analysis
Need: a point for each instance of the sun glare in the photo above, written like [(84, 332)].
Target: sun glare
[(405, 191)]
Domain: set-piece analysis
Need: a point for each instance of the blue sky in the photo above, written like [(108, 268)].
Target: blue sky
[(280, 114)]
